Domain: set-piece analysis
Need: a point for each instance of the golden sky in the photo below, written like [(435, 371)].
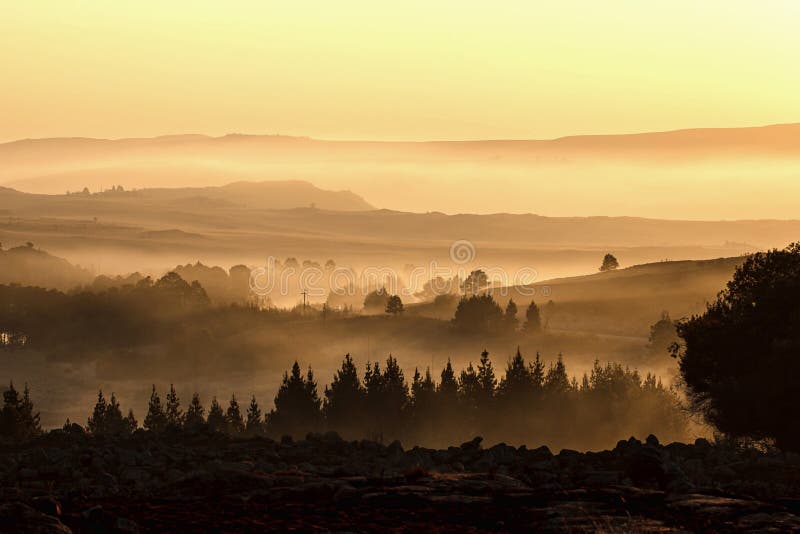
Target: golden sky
[(439, 69)]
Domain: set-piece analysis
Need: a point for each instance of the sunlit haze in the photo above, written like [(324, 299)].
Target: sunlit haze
[(412, 70)]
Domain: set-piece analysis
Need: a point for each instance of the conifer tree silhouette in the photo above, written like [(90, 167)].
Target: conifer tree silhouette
[(96, 422), (254, 423), (233, 417), (216, 418), (297, 405), (195, 415), (174, 415), (344, 401), (156, 419), (533, 319)]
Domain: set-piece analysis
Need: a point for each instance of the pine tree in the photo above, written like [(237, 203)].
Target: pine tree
[(17, 419), (448, 386), (533, 319), (194, 419), (422, 391), (131, 424), (344, 401), (486, 378), (254, 424), (29, 421), (517, 385), (233, 417), (174, 415), (114, 423), (469, 386), (557, 380), (297, 405), (97, 422), (387, 400), (216, 418), (156, 419), (510, 316), (537, 372)]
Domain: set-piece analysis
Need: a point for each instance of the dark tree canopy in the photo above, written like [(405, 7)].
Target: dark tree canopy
[(741, 358), (194, 419), (344, 399), (610, 263), (376, 300), (216, 417), (394, 305), (533, 319), (662, 334), (156, 419), (510, 316), (297, 405), (17, 418), (479, 314)]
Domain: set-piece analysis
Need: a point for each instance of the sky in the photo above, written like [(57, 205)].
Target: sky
[(449, 69)]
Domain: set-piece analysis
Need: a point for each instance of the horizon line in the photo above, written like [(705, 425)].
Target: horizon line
[(390, 141)]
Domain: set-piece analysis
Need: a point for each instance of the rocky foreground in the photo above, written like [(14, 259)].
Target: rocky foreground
[(66, 482)]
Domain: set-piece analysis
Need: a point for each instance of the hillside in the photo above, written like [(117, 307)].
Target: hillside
[(660, 174), (28, 266), (628, 301), (121, 232), (255, 195)]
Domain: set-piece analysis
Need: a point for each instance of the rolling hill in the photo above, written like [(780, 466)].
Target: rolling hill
[(706, 173)]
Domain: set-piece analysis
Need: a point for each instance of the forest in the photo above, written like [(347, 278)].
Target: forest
[(529, 402)]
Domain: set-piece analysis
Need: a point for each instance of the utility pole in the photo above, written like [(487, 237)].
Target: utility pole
[(304, 300)]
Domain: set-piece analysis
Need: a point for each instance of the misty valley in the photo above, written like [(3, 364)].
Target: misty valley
[(446, 267)]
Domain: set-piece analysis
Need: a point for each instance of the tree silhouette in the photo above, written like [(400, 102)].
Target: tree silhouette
[(376, 301), (233, 417), (96, 422), (610, 263), (297, 405), (557, 381), (517, 385), (475, 282), (394, 305), (107, 419), (174, 415), (216, 417), (387, 398), (478, 314), (156, 419), (740, 361), (17, 418), (487, 382), (194, 419), (533, 319), (662, 334), (254, 423), (131, 424), (510, 316), (344, 400)]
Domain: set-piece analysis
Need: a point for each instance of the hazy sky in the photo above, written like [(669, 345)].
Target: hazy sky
[(394, 70)]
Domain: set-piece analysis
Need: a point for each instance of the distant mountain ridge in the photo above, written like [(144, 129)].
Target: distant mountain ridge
[(256, 195)]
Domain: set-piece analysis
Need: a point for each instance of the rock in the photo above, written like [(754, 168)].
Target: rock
[(332, 438), (646, 465), (20, 518), (602, 478), (651, 440), (473, 444), (26, 473), (47, 505)]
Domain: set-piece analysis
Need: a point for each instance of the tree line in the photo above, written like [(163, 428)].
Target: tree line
[(530, 403)]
